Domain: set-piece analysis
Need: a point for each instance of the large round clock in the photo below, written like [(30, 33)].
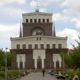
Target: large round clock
[(37, 31)]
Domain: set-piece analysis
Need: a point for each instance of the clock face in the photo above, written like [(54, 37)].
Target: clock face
[(37, 32)]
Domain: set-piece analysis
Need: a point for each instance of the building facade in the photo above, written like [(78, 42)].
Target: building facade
[(38, 46)]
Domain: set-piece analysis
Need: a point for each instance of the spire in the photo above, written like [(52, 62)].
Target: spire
[(20, 34), (54, 32)]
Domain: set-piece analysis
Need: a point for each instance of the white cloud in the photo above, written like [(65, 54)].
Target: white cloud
[(4, 2), (71, 34), (7, 31), (76, 22), (59, 16), (33, 3), (73, 6), (12, 12), (44, 3), (67, 12)]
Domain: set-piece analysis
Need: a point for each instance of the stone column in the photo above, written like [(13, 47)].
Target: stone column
[(60, 64), (54, 64), (42, 63), (35, 63)]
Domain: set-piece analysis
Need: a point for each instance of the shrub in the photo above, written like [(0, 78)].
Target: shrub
[(1, 74), (72, 72), (11, 74)]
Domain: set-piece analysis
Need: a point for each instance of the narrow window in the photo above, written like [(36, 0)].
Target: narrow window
[(37, 38), (35, 20), (42, 46), (36, 46), (40, 38), (53, 46), (24, 46), (39, 20), (26, 20), (48, 46), (18, 46), (43, 20), (59, 45), (31, 20), (29, 46), (47, 20)]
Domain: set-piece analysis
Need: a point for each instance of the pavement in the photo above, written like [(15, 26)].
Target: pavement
[(38, 76)]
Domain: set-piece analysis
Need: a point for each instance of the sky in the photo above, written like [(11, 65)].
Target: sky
[(66, 15)]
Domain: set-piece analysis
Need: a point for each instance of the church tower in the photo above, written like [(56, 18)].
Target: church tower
[(37, 23), (38, 47)]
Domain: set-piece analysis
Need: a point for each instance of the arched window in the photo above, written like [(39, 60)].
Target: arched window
[(24, 46), (18, 46)]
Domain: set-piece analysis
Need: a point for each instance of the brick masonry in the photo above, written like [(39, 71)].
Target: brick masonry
[(28, 27), (29, 57)]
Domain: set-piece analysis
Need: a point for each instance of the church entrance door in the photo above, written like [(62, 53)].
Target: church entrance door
[(39, 63)]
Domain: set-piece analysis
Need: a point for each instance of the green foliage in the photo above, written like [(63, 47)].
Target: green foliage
[(76, 58), (2, 74), (72, 60), (10, 59), (67, 60), (11, 74), (72, 72), (2, 60)]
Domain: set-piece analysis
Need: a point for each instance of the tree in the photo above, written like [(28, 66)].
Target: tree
[(10, 59), (2, 61), (72, 60)]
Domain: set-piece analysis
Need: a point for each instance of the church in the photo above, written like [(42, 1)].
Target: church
[(37, 46)]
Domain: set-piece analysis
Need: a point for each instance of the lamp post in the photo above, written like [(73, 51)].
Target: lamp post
[(6, 63)]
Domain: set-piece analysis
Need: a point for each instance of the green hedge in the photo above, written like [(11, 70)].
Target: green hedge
[(11, 74), (2, 74)]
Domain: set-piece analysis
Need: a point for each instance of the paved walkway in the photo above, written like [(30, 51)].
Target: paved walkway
[(38, 76)]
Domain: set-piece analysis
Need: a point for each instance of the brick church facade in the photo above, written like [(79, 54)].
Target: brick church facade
[(38, 46)]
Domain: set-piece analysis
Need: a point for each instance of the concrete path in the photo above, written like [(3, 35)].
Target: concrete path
[(38, 76)]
